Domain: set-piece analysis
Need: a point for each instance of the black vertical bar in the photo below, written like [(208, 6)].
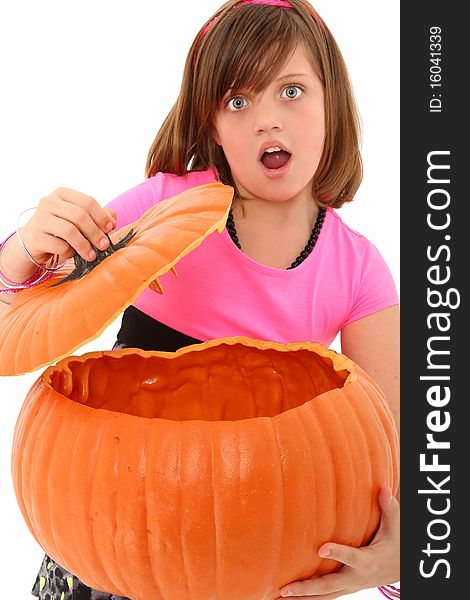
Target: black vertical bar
[(435, 209)]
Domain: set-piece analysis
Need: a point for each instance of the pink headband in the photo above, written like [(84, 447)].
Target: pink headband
[(281, 3)]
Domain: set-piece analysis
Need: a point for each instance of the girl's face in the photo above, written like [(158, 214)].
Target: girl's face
[(287, 114)]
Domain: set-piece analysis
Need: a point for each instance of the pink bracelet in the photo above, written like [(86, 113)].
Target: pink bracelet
[(40, 275), (389, 591)]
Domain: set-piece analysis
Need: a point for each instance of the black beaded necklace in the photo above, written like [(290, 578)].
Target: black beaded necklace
[(308, 246)]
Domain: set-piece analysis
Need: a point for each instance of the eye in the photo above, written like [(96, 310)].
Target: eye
[(236, 103), (291, 92)]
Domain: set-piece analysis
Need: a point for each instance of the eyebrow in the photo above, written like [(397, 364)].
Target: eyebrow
[(290, 75)]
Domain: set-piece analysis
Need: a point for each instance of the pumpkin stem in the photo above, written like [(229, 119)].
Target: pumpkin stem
[(82, 266)]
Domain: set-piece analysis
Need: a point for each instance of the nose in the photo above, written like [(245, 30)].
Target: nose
[(267, 115)]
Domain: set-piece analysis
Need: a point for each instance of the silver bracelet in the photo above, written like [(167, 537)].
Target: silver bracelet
[(54, 258)]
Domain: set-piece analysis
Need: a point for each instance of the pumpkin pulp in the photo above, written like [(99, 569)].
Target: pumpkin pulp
[(225, 382)]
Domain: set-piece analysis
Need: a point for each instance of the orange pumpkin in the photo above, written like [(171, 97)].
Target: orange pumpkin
[(50, 321), (216, 471)]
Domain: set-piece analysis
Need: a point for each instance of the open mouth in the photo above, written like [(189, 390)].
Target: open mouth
[(275, 158)]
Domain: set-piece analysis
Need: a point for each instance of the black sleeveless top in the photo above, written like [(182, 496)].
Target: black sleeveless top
[(138, 330)]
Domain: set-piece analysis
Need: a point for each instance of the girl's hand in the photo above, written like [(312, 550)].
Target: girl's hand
[(67, 222), (370, 566)]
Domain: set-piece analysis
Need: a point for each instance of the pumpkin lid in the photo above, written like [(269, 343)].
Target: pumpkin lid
[(52, 320)]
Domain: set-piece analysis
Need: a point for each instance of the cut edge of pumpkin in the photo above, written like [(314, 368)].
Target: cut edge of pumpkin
[(340, 362)]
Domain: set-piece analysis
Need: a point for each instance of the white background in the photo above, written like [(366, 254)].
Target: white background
[(86, 85)]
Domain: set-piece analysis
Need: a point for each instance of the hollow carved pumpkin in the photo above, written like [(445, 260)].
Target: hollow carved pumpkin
[(51, 320), (214, 472)]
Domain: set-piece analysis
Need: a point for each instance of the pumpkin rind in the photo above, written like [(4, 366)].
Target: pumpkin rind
[(46, 323), (196, 509)]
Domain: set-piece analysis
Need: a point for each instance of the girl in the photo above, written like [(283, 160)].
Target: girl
[(266, 107)]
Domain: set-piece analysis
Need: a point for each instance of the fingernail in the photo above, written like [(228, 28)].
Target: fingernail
[(91, 255), (103, 243), (108, 227), (325, 552), (285, 593)]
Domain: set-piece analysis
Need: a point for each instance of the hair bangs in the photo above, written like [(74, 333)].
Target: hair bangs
[(249, 48)]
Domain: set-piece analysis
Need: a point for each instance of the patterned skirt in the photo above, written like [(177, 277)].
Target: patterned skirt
[(55, 583)]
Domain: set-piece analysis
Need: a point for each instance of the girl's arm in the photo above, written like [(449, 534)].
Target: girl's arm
[(373, 342)]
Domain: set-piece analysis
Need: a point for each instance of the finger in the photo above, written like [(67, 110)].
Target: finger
[(68, 232), (332, 583), (345, 554), (57, 246), (390, 508), (97, 213), (385, 495), (332, 596), (36, 246), (75, 225)]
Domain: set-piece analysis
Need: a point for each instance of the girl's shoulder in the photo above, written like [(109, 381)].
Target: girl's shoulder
[(345, 241), (165, 185), (345, 230), (172, 184), (130, 205)]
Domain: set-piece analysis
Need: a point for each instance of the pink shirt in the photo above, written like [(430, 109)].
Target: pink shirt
[(222, 292)]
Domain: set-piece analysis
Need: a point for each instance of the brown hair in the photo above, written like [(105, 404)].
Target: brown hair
[(244, 49)]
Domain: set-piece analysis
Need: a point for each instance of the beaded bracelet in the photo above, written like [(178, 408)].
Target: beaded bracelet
[(389, 591), (41, 274)]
